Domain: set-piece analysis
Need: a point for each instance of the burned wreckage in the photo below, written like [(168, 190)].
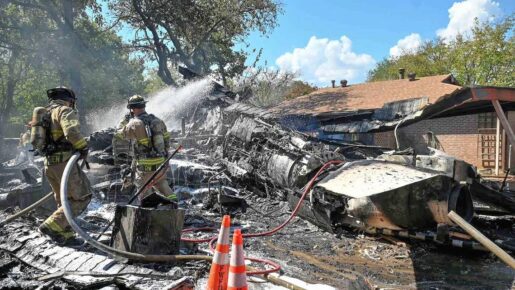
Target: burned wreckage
[(369, 188), (332, 184)]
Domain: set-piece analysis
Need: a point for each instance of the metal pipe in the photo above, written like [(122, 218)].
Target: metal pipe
[(183, 126)]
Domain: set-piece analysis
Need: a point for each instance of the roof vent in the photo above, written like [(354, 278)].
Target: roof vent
[(412, 77), (333, 82), (401, 73), (343, 83)]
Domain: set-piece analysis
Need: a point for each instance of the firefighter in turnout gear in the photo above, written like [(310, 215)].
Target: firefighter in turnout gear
[(151, 144), (56, 135)]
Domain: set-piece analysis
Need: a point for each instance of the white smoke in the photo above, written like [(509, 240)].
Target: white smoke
[(167, 104)]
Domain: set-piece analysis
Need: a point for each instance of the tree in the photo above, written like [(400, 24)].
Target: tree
[(486, 58), (48, 50), (299, 88), (199, 34), (266, 87)]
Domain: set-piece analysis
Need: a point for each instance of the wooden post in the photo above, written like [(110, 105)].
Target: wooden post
[(504, 121), (497, 137), (482, 239)]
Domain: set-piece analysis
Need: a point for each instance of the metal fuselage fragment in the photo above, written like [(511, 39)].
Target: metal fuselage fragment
[(366, 193)]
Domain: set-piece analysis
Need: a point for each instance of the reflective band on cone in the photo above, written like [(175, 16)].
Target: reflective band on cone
[(237, 271), (218, 275)]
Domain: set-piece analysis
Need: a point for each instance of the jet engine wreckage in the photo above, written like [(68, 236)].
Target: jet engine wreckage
[(235, 145)]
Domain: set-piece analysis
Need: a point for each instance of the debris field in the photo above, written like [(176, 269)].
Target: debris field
[(362, 217)]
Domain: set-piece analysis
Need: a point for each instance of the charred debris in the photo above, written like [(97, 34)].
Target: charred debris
[(236, 155)]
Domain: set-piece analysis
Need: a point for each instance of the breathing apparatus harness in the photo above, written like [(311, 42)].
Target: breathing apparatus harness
[(150, 151)]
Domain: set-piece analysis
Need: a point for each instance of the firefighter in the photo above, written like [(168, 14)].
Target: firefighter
[(62, 139), (151, 144)]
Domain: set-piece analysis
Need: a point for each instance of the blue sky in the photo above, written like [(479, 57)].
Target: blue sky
[(371, 29), (344, 39)]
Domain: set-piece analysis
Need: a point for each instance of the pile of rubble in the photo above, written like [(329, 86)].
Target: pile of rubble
[(370, 219)]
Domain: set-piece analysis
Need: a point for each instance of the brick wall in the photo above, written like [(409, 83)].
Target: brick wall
[(457, 135)]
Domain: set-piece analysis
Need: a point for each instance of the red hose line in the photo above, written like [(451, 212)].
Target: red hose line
[(197, 241), (299, 204), (276, 267)]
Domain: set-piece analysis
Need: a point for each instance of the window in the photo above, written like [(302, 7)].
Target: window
[(487, 120)]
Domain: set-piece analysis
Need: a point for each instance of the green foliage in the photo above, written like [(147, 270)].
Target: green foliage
[(199, 34), (45, 51), (48, 43), (486, 58)]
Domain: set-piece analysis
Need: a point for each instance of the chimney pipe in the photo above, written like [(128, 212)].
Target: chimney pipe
[(333, 82), (412, 77), (401, 73), (343, 83)]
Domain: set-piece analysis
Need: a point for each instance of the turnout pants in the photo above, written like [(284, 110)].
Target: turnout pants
[(79, 196), (160, 186)]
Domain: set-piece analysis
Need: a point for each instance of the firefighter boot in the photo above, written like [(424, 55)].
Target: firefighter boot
[(60, 236)]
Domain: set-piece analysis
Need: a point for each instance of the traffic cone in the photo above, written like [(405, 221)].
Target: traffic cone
[(218, 275), (237, 271)]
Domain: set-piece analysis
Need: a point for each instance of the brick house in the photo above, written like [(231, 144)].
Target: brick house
[(428, 112)]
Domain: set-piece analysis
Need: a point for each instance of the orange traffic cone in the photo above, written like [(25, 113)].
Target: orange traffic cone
[(237, 271), (218, 275)]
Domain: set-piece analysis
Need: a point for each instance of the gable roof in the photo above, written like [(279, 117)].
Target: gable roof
[(370, 95)]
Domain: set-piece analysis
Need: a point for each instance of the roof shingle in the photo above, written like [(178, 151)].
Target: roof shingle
[(370, 95)]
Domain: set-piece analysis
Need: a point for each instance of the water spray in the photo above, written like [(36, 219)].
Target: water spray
[(168, 104)]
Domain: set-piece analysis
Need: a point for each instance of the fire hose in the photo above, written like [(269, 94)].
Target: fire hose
[(163, 258), (104, 248), (167, 258)]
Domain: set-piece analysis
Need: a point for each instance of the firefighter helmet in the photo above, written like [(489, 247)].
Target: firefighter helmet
[(61, 93), (136, 101)]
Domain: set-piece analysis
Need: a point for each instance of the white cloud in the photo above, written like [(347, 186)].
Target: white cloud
[(462, 15), (408, 44), (323, 60)]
